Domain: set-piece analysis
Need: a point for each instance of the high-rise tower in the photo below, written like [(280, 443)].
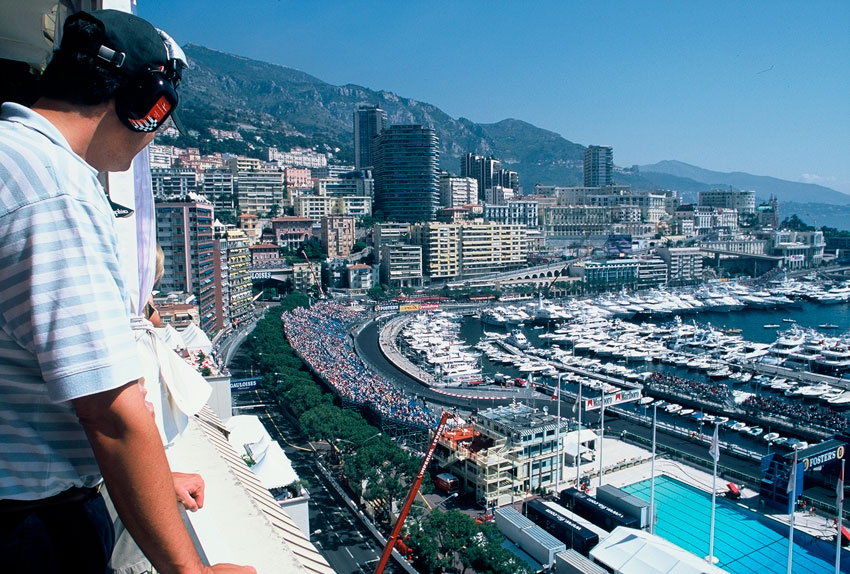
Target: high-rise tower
[(406, 173), (369, 121), (598, 165)]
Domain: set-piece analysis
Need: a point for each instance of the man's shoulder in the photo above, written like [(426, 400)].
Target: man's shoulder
[(34, 168)]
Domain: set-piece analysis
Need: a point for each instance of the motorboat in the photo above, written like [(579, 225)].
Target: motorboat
[(517, 339), (685, 412), (646, 400), (771, 436), (720, 420), (781, 440), (738, 426), (674, 408), (755, 431)]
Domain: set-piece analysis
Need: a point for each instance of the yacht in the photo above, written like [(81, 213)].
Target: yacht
[(493, 317), (517, 339)]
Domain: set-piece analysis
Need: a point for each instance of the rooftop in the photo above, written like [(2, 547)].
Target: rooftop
[(520, 417)]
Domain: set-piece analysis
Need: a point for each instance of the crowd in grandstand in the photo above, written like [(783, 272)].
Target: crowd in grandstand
[(320, 336), (690, 387), (797, 411)]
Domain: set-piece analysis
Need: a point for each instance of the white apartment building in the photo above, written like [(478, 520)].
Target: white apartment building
[(684, 264), (458, 191), (497, 195), (173, 181), (163, 156), (742, 201), (298, 157), (401, 265), (259, 190), (318, 206), (514, 212), (574, 222), (470, 249), (338, 187)]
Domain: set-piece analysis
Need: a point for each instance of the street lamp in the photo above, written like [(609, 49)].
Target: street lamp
[(361, 443)]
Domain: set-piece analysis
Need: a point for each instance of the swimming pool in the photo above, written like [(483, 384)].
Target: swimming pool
[(744, 541)]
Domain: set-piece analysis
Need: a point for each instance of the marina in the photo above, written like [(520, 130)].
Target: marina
[(782, 389)]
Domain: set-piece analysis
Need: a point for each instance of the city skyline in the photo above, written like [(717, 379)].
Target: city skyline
[(759, 88)]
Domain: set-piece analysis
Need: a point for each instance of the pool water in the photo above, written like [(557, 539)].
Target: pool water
[(744, 541)]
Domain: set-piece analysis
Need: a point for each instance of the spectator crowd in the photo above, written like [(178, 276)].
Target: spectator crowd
[(798, 412), (320, 336)]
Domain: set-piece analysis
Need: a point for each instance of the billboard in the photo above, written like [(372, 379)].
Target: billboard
[(612, 399)]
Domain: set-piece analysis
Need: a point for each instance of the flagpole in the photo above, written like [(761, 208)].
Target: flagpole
[(652, 475), (560, 459), (839, 493), (792, 491), (715, 454), (578, 437), (601, 436)]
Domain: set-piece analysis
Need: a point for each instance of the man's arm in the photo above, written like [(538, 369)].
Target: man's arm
[(131, 458)]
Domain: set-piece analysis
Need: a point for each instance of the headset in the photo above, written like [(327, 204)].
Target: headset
[(148, 99)]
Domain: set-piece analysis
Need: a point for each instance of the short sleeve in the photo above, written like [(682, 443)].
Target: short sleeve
[(62, 296)]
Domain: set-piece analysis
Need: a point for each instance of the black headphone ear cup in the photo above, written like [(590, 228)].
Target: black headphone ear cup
[(146, 101)]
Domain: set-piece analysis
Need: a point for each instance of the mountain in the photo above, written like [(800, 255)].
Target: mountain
[(267, 102), (764, 186), (272, 105)]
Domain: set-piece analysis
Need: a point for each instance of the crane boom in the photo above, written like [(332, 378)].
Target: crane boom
[(557, 276), (313, 272), (388, 549)]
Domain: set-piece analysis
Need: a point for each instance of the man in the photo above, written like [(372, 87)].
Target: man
[(71, 406)]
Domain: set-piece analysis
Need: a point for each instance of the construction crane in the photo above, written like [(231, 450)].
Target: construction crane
[(391, 541), (313, 272), (552, 282)]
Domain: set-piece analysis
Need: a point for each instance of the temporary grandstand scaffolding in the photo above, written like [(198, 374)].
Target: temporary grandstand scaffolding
[(414, 436)]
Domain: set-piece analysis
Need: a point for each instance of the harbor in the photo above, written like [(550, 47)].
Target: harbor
[(703, 355)]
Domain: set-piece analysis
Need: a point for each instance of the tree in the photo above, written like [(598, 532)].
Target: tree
[(302, 397), (446, 540), (376, 292), (794, 223)]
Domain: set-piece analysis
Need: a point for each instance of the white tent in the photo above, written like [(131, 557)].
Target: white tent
[(630, 551), (271, 465), (196, 339), (172, 337), (275, 469)]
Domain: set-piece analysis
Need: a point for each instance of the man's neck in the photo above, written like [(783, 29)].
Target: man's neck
[(77, 123)]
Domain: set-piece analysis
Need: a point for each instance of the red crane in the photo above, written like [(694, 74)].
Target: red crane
[(313, 271), (388, 549)]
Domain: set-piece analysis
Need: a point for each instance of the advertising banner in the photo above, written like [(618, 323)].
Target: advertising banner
[(612, 399)]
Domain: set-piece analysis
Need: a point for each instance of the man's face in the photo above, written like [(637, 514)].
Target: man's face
[(115, 145)]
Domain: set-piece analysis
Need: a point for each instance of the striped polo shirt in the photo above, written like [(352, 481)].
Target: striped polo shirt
[(64, 317)]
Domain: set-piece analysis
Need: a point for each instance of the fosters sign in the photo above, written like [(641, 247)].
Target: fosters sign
[(822, 458)]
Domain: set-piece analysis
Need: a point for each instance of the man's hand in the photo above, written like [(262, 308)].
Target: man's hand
[(189, 489), (224, 568)]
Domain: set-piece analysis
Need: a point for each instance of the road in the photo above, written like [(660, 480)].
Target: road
[(337, 531)]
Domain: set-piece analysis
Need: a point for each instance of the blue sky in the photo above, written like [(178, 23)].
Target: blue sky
[(761, 86)]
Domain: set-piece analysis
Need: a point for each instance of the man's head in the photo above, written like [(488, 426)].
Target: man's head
[(109, 55)]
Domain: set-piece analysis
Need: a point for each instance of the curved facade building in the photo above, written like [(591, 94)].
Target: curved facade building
[(406, 172)]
